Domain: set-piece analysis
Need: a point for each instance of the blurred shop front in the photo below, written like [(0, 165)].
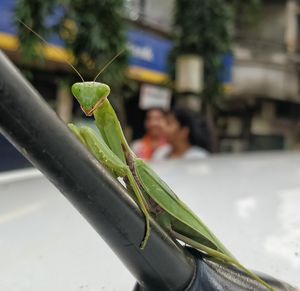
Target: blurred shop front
[(263, 108)]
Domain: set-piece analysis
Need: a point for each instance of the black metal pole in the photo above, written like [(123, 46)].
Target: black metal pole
[(27, 121)]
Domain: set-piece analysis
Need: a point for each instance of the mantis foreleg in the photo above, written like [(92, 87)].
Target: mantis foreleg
[(103, 154), (109, 126)]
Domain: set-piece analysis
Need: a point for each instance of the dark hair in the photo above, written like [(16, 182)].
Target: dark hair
[(198, 131)]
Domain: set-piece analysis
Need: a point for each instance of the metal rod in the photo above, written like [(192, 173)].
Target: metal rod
[(28, 122)]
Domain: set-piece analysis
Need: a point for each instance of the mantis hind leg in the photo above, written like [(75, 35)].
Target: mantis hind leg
[(219, 257), (141, 202)]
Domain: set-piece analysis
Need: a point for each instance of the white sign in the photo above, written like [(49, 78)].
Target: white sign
[(154, 96), (189, 74)]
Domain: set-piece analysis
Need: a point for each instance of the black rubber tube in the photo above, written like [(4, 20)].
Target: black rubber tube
[(28, 122)]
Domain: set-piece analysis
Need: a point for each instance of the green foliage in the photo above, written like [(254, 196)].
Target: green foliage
[(203, 27), (245, 13), (33, 13), (93, 30)]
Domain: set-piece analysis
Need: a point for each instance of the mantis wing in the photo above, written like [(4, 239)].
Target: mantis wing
[(182, 216)]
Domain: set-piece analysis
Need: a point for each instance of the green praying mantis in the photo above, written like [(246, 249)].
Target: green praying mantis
[(152, 195)]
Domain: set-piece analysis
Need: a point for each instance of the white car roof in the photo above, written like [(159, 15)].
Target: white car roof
[(251, 202)]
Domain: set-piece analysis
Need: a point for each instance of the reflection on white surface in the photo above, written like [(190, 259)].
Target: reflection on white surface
[(199, 168), (20, 212), (245, 206), (15, 176), (286, 243)]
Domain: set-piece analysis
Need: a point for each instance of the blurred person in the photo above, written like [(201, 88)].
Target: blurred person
[(187, 136), (154, 137)]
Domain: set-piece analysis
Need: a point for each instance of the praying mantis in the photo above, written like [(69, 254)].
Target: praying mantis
[(152, 195)]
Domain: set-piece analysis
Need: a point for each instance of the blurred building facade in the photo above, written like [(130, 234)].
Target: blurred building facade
[(263, 108)]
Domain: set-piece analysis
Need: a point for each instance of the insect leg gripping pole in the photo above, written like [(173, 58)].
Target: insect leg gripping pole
[(27, 121)]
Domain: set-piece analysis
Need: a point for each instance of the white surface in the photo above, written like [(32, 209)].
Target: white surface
[(45, 244), (251, 202)]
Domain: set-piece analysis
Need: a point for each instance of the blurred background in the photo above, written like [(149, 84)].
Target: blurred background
[(236, 64)]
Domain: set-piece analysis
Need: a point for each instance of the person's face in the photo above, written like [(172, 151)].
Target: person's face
[(155, 122), (174, 131)]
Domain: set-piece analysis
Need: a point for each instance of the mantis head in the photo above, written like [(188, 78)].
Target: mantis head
[(90, 95)]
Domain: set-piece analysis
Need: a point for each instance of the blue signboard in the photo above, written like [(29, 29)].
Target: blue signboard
[(226, 72), (7, 20), (148, 51), (6, 8), (225, 75)]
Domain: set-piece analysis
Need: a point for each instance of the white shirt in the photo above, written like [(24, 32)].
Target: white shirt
[(193, 152)]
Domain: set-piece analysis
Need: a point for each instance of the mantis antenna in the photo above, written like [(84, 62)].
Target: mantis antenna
[(42, 39), (107, 64)]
